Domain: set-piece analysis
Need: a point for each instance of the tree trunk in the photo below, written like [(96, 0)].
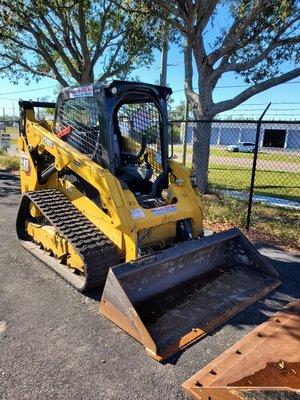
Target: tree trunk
[(87, 76), (201, 147)]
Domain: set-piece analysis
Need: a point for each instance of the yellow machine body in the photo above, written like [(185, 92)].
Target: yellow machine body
[(122, 219), (136, 231)]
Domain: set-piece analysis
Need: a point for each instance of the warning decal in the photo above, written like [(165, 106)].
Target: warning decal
[(137, 213), (85, 91), (164, 210)]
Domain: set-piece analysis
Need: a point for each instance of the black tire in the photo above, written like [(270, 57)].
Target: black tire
[(235, 150)]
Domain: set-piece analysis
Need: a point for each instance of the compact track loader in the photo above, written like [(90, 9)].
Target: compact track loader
[(107, 208)]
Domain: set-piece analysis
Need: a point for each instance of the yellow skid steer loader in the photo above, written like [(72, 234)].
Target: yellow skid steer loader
[(106, 207)]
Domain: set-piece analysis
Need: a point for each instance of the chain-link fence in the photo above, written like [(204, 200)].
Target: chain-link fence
[(230, 170), (7, 126)]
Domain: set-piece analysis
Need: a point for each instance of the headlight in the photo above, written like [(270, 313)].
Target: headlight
[(114, 90)]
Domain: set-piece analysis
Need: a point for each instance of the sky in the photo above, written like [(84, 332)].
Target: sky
[(285, 98)]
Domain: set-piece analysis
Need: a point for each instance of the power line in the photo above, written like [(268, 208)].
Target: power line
[(5, 98), (273, 103), (29, 90), (271, 109), (240, 105), (235, 86), (239, 86), (174, 91), (278, 114)]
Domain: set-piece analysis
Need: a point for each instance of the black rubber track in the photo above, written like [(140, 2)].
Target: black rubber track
[(98, 253)]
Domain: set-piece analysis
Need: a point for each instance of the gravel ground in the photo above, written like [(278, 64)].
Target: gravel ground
[(54, 344)]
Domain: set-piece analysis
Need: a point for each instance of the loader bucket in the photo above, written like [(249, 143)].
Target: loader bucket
[(170, 299)]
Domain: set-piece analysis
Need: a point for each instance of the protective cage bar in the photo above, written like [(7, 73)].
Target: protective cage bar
[(80, 115), (140, 121)]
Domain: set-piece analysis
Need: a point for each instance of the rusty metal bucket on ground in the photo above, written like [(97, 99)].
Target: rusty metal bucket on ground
[(170, 299), (265, 364)]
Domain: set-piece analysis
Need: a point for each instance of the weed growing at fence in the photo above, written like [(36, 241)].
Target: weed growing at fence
[(9, 163), (280, 226)]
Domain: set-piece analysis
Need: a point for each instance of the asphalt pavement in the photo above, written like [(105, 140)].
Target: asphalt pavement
[(54, 344)]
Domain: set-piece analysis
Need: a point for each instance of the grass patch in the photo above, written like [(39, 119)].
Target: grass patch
[(283, 184), (286, 156), (9, 163), (277, 225), (271, 183), (279, 157), (12, 130)]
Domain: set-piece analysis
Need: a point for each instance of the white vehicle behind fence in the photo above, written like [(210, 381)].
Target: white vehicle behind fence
[(245, 147)]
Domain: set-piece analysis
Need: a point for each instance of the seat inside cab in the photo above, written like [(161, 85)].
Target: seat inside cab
[(137, 139)]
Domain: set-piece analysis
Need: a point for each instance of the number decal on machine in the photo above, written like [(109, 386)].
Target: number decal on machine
[(25, 164)]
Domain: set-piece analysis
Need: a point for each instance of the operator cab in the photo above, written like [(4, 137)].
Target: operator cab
[(137, 125), (123, 127)]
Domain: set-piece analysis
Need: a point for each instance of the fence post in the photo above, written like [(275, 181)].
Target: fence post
[(186, 117), (251, 190), (4, 120), (164, 58)]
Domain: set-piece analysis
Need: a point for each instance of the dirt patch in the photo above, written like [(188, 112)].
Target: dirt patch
[(275, 374), (258, 237), (254, 236)]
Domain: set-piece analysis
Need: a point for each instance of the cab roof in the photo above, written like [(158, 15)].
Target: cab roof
[(115, 87)]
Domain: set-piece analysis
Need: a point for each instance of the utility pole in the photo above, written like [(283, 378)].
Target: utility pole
[(38, 110), (185, 132), (164, 58), (4, 127)]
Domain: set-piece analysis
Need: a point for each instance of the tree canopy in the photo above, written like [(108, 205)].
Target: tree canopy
[(256, 39), (253, 38), (72, 41)]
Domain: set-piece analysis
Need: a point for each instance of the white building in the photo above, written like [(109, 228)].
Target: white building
[(276, 135)]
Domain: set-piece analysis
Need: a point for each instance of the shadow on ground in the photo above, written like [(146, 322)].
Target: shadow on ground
[(10, 184)]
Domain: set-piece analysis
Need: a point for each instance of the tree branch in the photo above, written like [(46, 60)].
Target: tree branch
[(100, 49), (113, 59), (68, 32), (102, 23), (192, 97), (236, 32), (86, 74), (113, 72), (32, 70), (58, 47), (49, 59), (238, 67), (253, 90), (204, 14), (162, 10), (9, 65)]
